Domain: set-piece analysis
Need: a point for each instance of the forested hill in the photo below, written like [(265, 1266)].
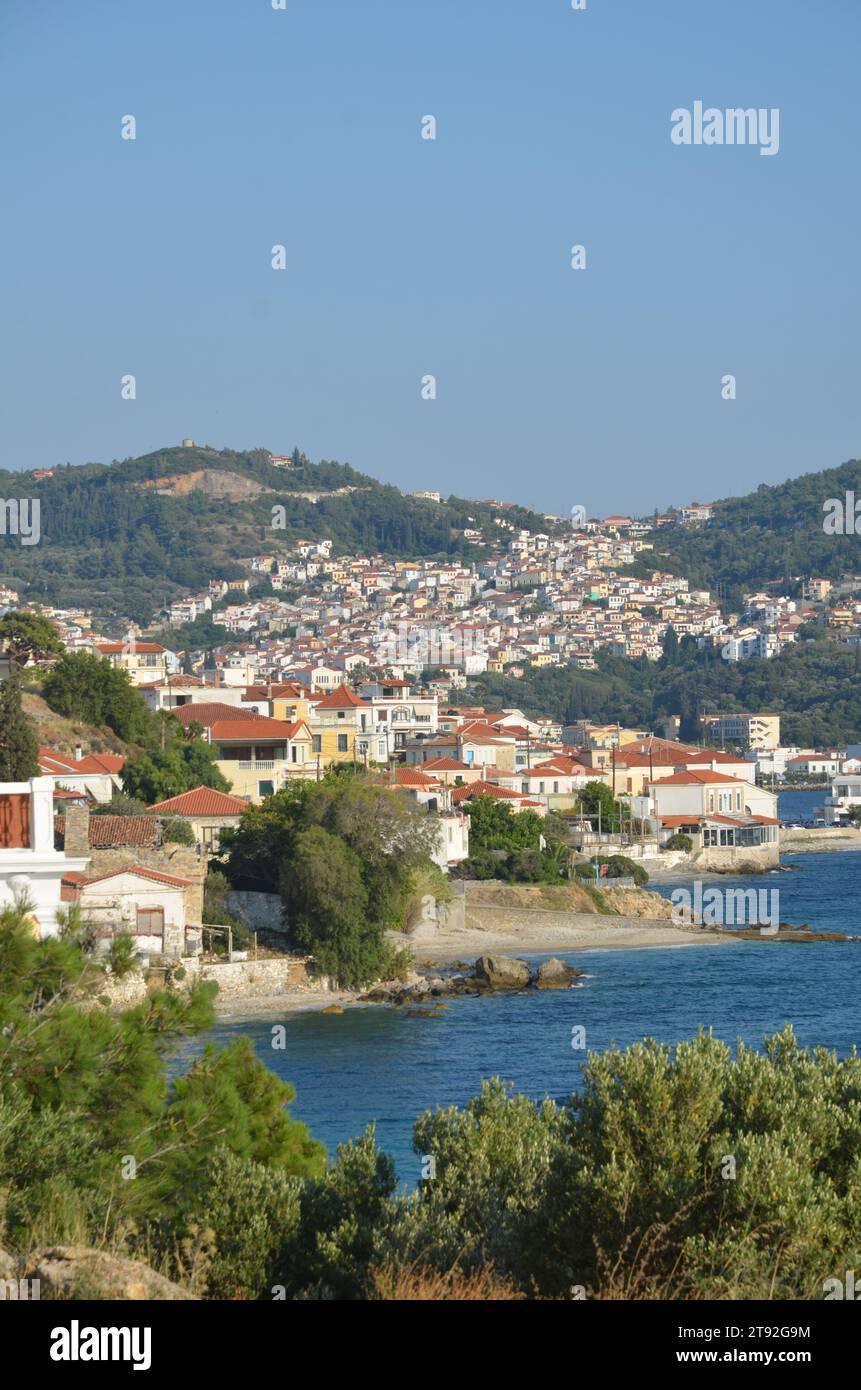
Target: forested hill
[(773, 534), (123, 537)]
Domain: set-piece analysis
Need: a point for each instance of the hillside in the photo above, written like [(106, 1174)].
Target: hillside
[(122, 538), (65, 735), (772, 534)]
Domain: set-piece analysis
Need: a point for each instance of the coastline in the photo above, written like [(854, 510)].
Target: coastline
[(588, 932)]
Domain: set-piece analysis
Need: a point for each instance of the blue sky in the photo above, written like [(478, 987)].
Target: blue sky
[(407, 257)]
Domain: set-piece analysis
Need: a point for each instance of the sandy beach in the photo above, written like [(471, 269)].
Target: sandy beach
[(587, 932)]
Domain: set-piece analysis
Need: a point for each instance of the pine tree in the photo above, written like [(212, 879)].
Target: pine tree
[(19, 748)]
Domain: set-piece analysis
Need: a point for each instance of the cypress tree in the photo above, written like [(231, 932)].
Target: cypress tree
[(19, 749)]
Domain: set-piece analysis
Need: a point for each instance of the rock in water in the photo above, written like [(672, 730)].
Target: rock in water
[(555, 974), (501, 972)]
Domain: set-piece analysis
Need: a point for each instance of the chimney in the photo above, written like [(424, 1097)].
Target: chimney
[(79, 752), (77, 831)]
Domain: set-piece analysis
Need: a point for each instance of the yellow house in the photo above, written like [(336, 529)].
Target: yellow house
[(257, 756), (333, 723), (144, 662)]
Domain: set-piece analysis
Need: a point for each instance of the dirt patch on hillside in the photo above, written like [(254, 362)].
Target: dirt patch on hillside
[(65, 735), (214, 482), (548, 897)]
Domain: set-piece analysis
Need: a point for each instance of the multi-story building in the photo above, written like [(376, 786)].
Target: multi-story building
[(143, 662), (750, 730)]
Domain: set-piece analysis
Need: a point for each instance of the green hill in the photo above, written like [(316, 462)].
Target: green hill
[(773, 534), (124, 537)]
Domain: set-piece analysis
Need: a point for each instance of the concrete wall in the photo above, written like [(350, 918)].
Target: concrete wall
[(727, 859)]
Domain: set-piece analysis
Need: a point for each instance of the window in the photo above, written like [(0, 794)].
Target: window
[(150, 921), (293, 757), (316, 743), (265, 788), (342, 743), (342, 714)]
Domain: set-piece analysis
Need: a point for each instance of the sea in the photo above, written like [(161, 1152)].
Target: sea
[(384, 1067)]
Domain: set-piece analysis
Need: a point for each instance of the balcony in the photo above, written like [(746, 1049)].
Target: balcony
[(268, 765)]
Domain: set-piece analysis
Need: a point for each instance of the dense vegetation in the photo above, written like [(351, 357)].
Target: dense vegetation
[(19, 747), (775, 533), (671, 1173), (67, 1132), (119, 546), (347, 857), (169, 758)]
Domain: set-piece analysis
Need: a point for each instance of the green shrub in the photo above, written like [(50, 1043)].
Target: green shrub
[(176, 831)]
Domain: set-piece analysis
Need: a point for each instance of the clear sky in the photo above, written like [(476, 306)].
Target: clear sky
[(451, 257)]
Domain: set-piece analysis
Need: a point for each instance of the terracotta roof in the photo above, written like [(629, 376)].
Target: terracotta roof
[(142, 872), (342, 698), (207, 712), (445, 765), (131, 646), (201, 801), (109, 832), (412, 777), (276, 690), (694, 777), (53, 763), (478, 788), (235, 730)]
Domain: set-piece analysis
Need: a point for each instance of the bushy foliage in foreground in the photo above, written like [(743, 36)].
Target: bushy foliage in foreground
[(674, 1174), (93, 1140)]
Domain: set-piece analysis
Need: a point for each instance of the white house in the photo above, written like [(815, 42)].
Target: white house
[(30, 867)]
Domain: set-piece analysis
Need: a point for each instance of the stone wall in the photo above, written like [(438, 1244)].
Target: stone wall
[(257, 911), (255, 979), (179, 860), (247, 979)]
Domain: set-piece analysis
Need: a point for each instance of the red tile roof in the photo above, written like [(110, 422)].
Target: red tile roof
[(694, 777), (485, 789), (412, 777), (207, 712), (53, 763), (240, 730), (112, 832), (130, 646), (201, 801), (277, 690), (155, 874), (342, 698)]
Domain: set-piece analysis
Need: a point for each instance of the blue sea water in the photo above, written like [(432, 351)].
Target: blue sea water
[(373, 1064)]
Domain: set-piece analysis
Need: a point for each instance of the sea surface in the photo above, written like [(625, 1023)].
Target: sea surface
[(382, 1066)]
